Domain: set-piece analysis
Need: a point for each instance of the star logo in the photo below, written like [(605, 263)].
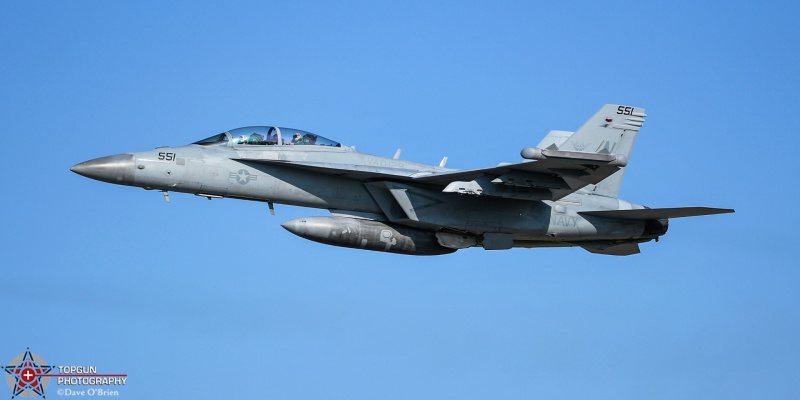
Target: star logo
[(243, 177), (25, 375)]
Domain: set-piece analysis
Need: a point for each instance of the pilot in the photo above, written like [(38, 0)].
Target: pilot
[(255, 138), (297, 139)]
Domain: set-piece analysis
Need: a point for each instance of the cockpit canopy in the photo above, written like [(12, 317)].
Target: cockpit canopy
[(266, 136)]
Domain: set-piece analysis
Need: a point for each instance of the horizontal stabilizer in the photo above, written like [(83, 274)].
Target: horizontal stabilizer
[(658, 213)]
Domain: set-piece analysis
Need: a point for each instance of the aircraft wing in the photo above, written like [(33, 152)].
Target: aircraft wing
[(555, 175)]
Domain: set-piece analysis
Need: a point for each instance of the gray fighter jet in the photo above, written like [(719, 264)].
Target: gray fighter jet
[(564, 192)]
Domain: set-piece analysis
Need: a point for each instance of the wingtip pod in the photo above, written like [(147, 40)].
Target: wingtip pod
[(535, 153), (531, 153)]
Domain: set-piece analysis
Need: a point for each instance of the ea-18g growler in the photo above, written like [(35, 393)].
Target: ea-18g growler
[(564, 192)]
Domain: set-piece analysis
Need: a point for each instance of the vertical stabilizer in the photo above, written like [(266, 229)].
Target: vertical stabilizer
[(612, 130)]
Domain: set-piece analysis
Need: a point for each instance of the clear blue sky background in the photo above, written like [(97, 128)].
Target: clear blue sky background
[(213, 299)]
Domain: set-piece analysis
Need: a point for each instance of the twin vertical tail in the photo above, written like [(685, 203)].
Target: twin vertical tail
[(612, 130)]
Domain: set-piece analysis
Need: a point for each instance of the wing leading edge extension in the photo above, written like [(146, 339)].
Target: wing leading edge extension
[(355, 171)]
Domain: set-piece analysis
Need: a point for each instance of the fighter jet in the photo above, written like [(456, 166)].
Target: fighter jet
[(563, 193)]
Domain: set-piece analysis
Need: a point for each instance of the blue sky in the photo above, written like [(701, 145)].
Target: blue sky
[(213, 299)]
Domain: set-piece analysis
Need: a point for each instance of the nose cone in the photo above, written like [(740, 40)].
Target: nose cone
[(112, 169)]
